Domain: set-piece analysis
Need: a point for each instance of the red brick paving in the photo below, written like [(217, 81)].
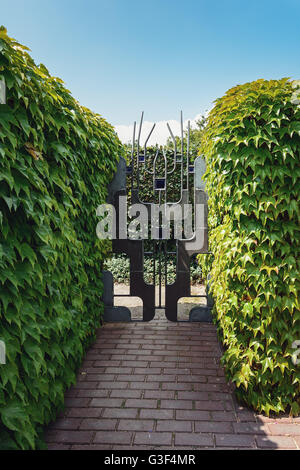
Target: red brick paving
[(158, 386)]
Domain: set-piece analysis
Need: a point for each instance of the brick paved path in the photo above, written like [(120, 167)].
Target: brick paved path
[(159, 385)]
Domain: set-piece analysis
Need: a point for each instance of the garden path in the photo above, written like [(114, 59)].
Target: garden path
[(159, 385)]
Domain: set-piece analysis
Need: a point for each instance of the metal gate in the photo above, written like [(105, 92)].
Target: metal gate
[(128, 183)]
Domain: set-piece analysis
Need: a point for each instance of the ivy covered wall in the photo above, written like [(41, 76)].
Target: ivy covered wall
[(56, 159), (252, 149)]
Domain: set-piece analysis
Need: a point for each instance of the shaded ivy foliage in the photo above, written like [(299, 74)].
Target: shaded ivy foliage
[(56, 159), (251, 145)]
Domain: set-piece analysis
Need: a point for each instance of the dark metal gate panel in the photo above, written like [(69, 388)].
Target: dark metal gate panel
[(127, 179)]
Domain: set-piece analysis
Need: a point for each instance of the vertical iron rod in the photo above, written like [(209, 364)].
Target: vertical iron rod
[(138, 150), (132, 155), (188, 155)]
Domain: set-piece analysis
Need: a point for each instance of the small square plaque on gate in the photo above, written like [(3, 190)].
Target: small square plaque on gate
[(191, 169), (160, 184), (142, 158)]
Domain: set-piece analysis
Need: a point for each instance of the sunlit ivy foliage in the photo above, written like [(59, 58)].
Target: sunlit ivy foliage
[(56, 159), (252, 145)]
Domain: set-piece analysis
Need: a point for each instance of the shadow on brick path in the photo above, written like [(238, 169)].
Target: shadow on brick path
[(160, 385)]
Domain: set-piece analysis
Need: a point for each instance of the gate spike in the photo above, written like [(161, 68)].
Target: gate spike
[(139, 135), (173, 138), (145, 145), (181, 125), (149, 135), (133, 142)]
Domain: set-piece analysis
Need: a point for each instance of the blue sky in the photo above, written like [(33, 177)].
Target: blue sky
[(119, 57)]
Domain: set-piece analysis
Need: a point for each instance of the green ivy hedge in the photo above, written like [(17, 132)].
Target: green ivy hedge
[(252, 145), (56, 159)]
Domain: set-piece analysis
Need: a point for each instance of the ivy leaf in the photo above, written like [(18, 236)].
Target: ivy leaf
[(27, 252)]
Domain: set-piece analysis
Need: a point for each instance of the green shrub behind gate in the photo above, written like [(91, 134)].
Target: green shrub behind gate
[(56, 159), (252, 145)]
